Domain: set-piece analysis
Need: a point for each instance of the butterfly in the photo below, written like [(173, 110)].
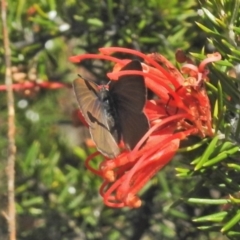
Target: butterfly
[(114, 112)]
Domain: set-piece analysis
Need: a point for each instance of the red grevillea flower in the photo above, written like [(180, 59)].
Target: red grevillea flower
[(181, 109), (31, 84)]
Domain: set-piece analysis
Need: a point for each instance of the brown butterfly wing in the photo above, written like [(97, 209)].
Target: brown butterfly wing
[(130, 94), (92, 108)]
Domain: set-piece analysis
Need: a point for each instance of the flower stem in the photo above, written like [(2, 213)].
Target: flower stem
[(11, 216)]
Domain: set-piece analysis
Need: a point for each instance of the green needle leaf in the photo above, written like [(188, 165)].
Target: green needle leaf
[(207, 153), (235, 220)]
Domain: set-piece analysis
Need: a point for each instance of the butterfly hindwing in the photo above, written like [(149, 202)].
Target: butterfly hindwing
[(134, 126), (101, 135)]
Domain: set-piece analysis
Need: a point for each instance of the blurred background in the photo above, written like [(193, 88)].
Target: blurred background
[(56, 196)]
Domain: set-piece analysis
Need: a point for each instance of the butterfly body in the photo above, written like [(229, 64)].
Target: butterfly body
[(114, 112), (110, 111)]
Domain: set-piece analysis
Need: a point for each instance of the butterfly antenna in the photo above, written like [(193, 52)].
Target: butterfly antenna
[(88, 80), (84, 78)]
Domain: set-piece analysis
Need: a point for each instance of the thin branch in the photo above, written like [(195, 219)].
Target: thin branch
[(11, 127)]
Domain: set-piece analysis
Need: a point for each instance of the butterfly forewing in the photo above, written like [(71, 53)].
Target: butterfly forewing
[(129, 94), (92, 108), (87, 97)]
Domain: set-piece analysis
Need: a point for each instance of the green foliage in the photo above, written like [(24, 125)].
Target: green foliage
[(56, 197), (217, 164)]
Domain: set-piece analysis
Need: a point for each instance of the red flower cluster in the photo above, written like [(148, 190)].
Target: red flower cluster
[(181, 109), (30, 84)]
